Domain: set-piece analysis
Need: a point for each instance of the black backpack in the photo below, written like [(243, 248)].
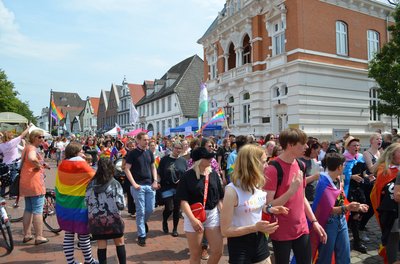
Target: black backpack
[(279, 170)]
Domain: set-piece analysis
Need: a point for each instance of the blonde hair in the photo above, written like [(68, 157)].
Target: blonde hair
[(373, 136), (387, 158), (197, 169), (33, 134), (248, 174)]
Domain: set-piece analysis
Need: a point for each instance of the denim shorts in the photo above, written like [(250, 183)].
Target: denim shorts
[(34, 204)]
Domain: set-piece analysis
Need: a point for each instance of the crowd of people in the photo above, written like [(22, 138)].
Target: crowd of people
[(301, 193)]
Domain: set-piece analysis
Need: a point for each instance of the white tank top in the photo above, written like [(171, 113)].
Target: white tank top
[(249, 208)]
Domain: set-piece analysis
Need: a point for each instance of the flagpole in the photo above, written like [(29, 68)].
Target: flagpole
[(50, 119)]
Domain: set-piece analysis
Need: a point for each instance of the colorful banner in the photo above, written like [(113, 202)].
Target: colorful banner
[(55, 113)]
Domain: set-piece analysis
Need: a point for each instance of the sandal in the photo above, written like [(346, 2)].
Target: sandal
[(38, 242), (27, 239)]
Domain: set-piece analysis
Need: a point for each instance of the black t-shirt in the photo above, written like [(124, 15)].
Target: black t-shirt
[(224, 153), (91, 151), (387, 198), (141, 161), (191, 189), (171, 171)]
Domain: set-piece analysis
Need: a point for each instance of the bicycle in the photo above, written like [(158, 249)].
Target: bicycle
[(49, 211), (5, 226)]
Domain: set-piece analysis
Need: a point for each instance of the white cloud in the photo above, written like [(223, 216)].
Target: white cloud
[(15, 44)]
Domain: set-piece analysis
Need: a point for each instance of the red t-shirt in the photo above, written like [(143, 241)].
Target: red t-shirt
[(294, 224)]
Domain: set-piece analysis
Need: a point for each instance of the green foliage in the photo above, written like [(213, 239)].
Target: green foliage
[(385, 69), (9, 101)]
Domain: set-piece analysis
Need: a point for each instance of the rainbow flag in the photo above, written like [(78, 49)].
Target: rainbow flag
[(55, 113), (157, 161), (72, 178), (218, 117)]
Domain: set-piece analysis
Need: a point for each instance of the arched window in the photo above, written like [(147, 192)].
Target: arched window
[(232, 57), (276, 92), (372, 43), (341, 39), (246, 50)]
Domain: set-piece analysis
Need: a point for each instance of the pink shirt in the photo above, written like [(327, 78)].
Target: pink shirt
[(10, 150), (294, 224)]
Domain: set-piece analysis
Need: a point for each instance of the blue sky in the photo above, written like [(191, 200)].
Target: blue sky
[(85, 45)]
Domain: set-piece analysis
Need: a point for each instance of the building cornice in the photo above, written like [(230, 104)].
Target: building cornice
[(368, 7)]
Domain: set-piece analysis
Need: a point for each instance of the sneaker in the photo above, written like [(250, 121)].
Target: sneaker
[(141, 241), (364, 237), (360, 248), (175, 233), (204, 254)]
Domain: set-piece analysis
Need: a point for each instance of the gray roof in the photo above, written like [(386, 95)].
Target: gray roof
[(64, 99), (186, 86)]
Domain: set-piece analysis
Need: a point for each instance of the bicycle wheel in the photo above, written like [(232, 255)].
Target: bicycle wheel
[(7, 235), (16, 210), (49, 214)]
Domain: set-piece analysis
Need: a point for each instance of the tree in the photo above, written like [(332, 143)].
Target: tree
[(9, 101), (385, 69)]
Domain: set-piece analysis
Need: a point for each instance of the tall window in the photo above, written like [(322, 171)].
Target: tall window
[(278, 38), (373, 105), (158, 126), (169, 123), (163, 105), (341, 38), (213, 66), (158, 107), (232, 57), (246, 108), (152, 108), (246, 50), (169, 103), (163, 127), (148, 109), (372, 43), (176, 121)]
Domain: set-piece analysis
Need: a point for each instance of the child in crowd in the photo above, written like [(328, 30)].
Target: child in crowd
[(105, 199)]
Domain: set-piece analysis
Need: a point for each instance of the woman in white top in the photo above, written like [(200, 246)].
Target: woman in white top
[(242, 209), (370, 156)]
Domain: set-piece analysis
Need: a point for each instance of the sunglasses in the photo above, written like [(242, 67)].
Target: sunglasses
[(40, 137)]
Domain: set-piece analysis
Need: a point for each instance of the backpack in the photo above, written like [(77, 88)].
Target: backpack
[(279, 170)]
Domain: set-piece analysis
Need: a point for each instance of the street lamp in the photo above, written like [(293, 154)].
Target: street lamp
[(228, 113)]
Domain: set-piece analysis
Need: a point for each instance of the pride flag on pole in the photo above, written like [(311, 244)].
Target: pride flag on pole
[(218, 117), (203, 102), (55, 113)]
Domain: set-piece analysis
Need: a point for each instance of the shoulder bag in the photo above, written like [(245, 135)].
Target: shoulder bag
[(198, 209)]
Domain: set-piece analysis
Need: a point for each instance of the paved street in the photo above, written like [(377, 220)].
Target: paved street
[(161, 248)]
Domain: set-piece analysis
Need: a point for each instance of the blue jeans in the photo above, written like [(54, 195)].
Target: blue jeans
[(144, 201), (338, 241)]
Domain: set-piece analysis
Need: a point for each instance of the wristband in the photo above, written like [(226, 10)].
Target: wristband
[(269, 206), (314, 221)]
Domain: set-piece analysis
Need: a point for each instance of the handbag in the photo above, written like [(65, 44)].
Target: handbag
[(198, 209)]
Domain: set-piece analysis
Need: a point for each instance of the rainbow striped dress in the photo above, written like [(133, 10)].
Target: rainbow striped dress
[(72, 178)]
